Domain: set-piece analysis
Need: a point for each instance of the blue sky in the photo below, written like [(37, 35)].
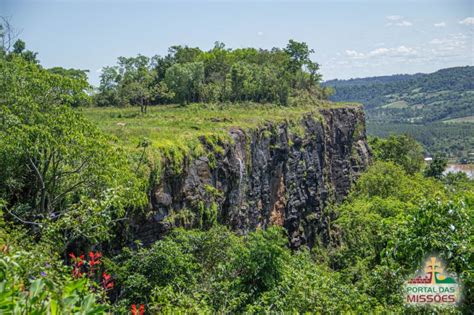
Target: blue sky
[(351, 38)]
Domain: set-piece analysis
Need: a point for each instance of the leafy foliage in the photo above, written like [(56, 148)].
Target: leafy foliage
[(401, 150), (54, 163), (392, 220), (189, 75), (436, 167), (217, 271), (452, 140), (33, 280)]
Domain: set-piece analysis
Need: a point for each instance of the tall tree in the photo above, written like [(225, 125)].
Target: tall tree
[(185, 80)]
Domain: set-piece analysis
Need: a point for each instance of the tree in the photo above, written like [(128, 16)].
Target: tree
[(162, 93), (71, 73), (53, 162), (80, 76), (137, 92), (135, 81), (402, 150), (436, 167), (19, 48), (108, 89), (185, 81), (220, 74), (272, 85), (299, 58), (184, 54), (132, 82), (243, 82), (8, 34)]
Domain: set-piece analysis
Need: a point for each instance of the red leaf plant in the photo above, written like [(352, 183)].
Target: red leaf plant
[(107, 282), (78, 263), (141, 309), (94, 260), (91, 269)]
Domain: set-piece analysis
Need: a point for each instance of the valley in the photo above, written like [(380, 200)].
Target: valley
[(419, 105)]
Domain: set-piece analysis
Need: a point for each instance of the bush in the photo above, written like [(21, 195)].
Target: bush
[(36, 284), (54, 164), (401, 150), (392, 221)]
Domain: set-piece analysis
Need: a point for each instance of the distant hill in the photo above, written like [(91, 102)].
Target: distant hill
[(418, 104), (372, 80), (442, 95)]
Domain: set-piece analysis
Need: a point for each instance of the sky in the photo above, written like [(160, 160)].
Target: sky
[(351, 38)]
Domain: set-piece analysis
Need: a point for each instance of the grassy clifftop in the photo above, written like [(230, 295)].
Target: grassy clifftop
[(173, 128)]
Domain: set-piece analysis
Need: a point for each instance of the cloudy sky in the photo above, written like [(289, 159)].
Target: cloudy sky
[(351, 38)]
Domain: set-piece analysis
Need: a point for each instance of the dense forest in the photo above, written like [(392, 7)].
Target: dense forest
[(435, 108), (68, 191), (452, 140)]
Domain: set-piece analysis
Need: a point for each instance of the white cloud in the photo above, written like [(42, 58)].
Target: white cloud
[(440, 24), (260, 33), (405, 50), (378, 52), (436, 41), (394, 17), (354, 54), (395, 52), (450, 42), (404, 23), (467, 21), (397, 20), (444, 50)]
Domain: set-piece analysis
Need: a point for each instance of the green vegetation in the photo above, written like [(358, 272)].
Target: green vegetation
[(392, 220), (418, 105), (436, 167), (189, 75), (67, 187), (388, 224), (173, 127), (56, 169), (452, 140), (422, 98), (173, 132), (402, 150)]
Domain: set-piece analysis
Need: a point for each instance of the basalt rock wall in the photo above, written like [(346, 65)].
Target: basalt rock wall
[(284, 173)]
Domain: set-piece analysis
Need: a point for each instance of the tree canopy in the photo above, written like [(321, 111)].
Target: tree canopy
[(189, 74)]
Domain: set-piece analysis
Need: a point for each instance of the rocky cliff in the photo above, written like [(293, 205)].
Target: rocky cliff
[(280, 173)]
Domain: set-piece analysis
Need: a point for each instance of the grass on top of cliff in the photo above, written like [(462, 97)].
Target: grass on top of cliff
[(173, 128)]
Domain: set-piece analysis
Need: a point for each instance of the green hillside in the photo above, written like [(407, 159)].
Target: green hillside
[(419, 105)]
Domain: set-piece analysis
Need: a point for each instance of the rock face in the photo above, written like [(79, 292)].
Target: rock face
[(274, 175)]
